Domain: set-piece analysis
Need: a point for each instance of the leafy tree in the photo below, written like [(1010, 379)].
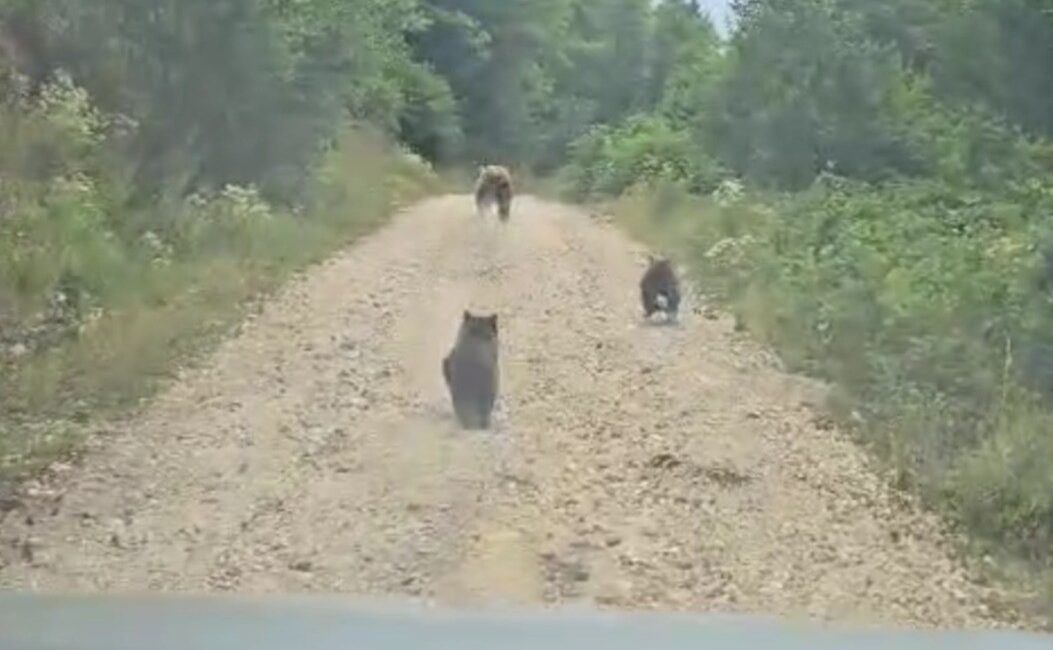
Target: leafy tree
[(241, 91), (682, 37), (999, 52), (495, 57), (807, 91)]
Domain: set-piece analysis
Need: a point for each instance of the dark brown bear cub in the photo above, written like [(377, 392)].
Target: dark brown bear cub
[(660, 289), (471, 371)]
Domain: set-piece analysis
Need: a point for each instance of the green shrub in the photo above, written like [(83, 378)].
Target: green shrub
[(1003, 489), (605, 161)]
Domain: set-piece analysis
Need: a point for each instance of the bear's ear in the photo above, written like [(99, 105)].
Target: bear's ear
[(467, 315), (651, 259)]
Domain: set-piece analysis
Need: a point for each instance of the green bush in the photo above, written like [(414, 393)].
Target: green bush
[(56, 231), (607, 161)]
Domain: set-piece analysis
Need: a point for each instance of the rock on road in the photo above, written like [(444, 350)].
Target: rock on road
[(630, 466)]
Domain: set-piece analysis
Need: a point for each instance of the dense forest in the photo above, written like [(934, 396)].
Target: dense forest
[(865, 184)]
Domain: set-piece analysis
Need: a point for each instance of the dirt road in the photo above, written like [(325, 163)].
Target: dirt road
[(631, 466)]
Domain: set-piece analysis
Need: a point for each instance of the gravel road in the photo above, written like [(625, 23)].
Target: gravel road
[(630, 466)]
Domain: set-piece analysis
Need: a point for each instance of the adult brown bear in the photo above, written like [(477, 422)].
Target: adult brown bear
[(494, 186)]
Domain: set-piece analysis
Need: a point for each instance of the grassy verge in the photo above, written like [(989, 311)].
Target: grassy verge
[(124, 311), (923, 309)]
